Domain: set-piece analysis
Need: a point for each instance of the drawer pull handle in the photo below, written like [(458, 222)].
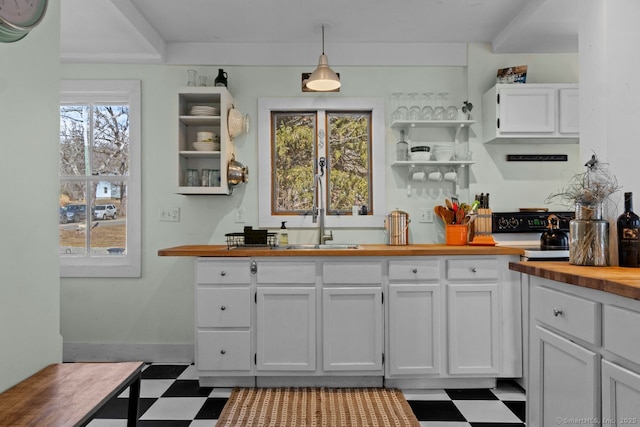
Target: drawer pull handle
[(474, 269), (557, 312), (223, 308), (223, 351), (223, 273), (415, 270)]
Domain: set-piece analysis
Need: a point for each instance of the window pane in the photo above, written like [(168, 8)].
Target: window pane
[(110, 140), (73, 218), (349, 172), (74, 150), (294, 153), (108, 235)]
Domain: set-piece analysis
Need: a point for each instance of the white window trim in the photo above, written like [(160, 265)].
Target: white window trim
[(375, 105), (129, 264)]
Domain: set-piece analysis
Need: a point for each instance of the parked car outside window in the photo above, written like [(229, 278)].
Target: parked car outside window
[(105, 212), (63, 216), (76, 213)]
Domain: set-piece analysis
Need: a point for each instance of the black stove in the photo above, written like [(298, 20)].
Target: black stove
[(523, 230)]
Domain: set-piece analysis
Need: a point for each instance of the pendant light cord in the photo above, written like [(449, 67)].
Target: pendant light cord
[(323, 39)]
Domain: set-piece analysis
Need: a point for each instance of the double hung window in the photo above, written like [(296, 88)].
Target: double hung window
[(99, 213)]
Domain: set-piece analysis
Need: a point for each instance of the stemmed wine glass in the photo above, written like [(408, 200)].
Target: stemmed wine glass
[(400, 113), (427, 110), (415, 111), (440, 112)]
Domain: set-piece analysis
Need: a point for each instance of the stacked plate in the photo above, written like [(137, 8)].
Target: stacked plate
[(204, 110)]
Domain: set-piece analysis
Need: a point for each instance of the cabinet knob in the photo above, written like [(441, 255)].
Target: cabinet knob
[(415, 270), (223, 351), (474, 269), (223, 308), (557, 312), (223, 273)]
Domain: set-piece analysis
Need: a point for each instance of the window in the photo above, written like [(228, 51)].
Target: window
[(100, 178), (324, 152)]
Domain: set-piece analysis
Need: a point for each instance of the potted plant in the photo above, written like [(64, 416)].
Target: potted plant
[(588, 193)]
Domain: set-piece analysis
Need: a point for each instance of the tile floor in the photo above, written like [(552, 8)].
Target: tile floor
[(171, 397)]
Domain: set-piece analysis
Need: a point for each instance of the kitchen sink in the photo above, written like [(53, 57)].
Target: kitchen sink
[(318, 246)]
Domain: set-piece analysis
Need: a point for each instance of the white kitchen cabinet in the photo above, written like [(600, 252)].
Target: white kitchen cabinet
[(473, 314), (531, 112), (286, 328), (620, 395), (188, 127), (584, 356), (352, 332), (414, 312), (566, 383)]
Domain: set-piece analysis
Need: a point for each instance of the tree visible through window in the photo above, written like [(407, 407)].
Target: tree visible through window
[(99, 194)]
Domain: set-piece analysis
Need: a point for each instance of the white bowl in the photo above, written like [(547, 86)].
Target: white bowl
[(420, 155), (206, 146), (443, 155), (207, 137)]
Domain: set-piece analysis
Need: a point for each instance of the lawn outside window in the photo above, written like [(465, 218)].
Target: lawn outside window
[(100, 165)]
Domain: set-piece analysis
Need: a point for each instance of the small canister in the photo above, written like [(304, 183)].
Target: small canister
[(397, 228)]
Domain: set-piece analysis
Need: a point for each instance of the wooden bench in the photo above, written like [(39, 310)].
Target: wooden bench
[(70, 394)]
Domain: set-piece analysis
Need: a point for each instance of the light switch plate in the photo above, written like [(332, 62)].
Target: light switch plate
[(169, 214), (425, 215)]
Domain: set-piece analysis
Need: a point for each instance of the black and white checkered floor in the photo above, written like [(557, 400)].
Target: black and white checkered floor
[(170, 396)]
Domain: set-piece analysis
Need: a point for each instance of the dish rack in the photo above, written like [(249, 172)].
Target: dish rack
[(251, 239)]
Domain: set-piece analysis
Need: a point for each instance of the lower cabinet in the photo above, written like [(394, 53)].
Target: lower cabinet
[(352, 332), (584, 358), (286, 329)]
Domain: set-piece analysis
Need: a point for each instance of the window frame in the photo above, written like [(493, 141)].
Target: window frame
[(378, 149), (128, 264)]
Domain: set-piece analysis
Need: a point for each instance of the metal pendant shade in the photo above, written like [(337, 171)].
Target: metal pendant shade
[(323, 79)]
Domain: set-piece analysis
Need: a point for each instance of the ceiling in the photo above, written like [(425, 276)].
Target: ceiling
[(239, 32)]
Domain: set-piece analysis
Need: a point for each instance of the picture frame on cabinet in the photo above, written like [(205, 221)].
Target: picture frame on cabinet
[(516, 74)]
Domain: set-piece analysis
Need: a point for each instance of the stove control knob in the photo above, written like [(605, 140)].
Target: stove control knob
[(503, 223)]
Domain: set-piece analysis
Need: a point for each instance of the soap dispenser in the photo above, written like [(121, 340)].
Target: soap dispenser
[(284, 235)]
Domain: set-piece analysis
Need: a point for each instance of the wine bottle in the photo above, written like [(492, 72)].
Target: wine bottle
[(628, 235)]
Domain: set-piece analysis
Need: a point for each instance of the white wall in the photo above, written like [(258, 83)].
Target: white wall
[(158, 308), (29, 288)]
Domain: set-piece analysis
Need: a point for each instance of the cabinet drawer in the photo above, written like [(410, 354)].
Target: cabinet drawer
[(571, 314), (472, 269), (352, 272), (222, 272), (410, 270), (224, 351), (282, 272), (622, 332), (223, 307)]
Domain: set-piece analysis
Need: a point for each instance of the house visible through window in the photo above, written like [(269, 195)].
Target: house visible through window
[(322, 152), (100, 178)]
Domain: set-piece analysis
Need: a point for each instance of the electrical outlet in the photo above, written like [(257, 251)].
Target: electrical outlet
[(239, 216), (425, 215), (169, 214)]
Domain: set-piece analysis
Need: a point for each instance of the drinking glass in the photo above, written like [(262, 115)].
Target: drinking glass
[(427, 110), (440, 112), (400, 113), (415, 112), (192, 77)]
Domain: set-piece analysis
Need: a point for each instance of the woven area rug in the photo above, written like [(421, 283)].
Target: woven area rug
[(317, 407)]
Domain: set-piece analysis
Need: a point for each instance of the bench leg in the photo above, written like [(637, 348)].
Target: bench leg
[(134, 398)]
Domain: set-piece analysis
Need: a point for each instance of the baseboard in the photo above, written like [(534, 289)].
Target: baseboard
[(101, 352)]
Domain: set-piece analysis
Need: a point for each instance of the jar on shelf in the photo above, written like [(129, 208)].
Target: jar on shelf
[(589, 236)]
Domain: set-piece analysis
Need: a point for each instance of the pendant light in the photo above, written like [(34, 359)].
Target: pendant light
[(323, 79)]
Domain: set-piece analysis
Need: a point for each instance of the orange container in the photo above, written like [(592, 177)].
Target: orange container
[(456, 234)]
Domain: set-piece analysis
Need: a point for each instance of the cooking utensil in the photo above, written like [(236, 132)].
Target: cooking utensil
[(235, 123), (237, 173), (459, 216)]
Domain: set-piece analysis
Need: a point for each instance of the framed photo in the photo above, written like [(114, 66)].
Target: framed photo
[(516, 74)]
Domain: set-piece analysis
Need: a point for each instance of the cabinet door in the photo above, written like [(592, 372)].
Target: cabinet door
[(563, 380), (414, 329), (569, 111), (286, 329), (527, 110), (352, 329), (474, 329), (620, 395)]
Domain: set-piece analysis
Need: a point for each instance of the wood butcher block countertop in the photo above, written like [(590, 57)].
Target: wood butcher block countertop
[(615, 280), (361, 250)]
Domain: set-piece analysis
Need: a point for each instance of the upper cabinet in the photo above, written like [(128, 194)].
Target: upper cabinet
[(527, 112), (202, 113)]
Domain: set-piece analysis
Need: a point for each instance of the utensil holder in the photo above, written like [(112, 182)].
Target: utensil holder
[(456, 234)]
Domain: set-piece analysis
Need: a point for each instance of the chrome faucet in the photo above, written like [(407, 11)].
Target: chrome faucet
[(318, 210)]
